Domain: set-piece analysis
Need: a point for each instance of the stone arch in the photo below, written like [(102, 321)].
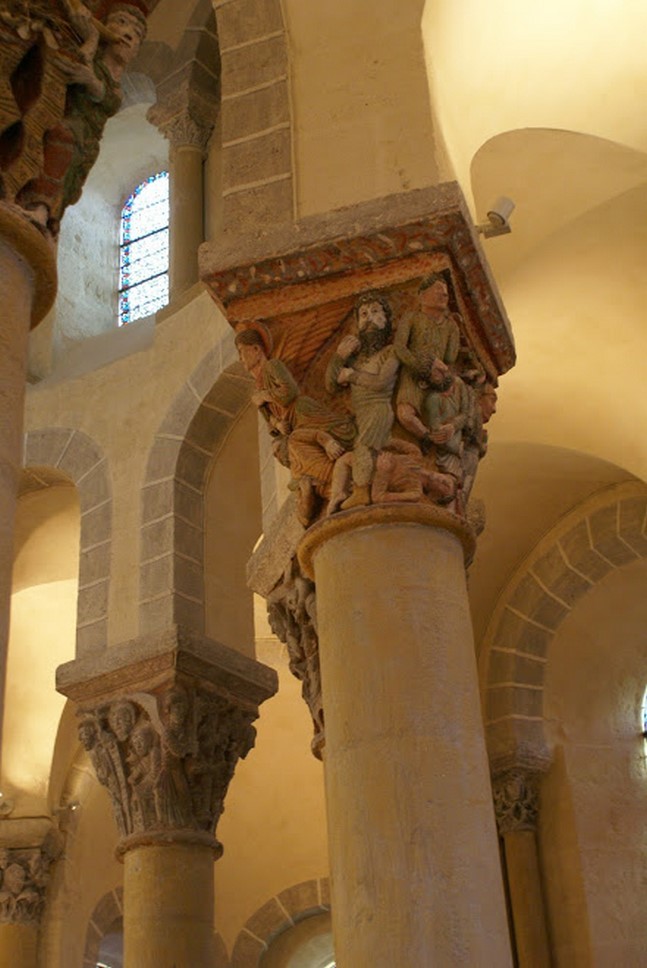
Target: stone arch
[(257, 163), (58, 453), (172, 554), (107, 912), (606, 531), (276, 916)]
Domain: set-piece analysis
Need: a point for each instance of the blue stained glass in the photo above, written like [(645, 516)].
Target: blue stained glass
[(144, 250), (644, 714)]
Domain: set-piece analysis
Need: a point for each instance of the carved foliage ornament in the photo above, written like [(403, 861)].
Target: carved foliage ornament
[(24, 874), (396, 409), (516, 800), (167, 759)]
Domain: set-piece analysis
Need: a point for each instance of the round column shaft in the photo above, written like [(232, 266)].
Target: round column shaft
[(19, 945), (416, 877), (526, 899), (168, 906), (16, 296), (186, 220)]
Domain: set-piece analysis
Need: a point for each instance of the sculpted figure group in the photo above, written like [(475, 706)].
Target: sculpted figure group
[(90, 56), (412, 428), (166, 761)]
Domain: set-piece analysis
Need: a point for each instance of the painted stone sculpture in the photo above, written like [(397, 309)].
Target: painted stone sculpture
[(66, 67), (413, 426)]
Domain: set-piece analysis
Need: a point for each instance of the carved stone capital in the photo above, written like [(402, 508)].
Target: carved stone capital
[(516, 800), (24, 875), (180, 128), (165, 730), (292, 613)]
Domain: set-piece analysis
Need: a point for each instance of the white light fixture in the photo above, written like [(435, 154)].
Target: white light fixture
[(498, 215), (6, 806)]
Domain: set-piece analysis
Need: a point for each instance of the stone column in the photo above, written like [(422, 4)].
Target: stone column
[(188, 144), (165, 720), (413, 848), (25, 873), (516, 802), (27, 290)]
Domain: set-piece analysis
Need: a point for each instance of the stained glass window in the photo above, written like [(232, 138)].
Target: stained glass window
[(643, 714), (143, 250)]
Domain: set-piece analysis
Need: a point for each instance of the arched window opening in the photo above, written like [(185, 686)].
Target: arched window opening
[(643, 714), (144, 250)]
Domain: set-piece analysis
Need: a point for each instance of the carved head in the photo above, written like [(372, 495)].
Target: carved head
[(254, 346), (374, 321), (175, 707), (487, 402), (121, 719), (433, 293), (440, 378), (14, 878), (88, 733), (127, 22), (142, 739)]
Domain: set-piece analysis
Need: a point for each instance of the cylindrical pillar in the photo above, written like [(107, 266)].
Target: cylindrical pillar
[(186, 216), (526, 899), (168, 906), (516, 805), (416, 877), (27, 289), (18, 946)]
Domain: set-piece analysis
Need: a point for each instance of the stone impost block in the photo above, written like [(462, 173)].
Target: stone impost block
[(159, 657)]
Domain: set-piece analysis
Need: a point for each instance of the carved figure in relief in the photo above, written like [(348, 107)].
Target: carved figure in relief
[(484, 399), (426, 337), (368, 365), (172, 793), (94, 94), (402, 474), (145, 763), (292, 614), (106, 761), (446, 410), (121, 719), (308, 437)]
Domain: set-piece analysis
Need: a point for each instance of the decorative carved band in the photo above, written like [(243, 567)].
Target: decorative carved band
[(166, 759), (516, 800), (25, 874)]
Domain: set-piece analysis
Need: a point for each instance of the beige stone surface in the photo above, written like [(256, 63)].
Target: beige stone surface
[(404, 752)]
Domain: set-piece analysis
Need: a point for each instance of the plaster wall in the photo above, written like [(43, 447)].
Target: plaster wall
[(502, 68), (592, 813)]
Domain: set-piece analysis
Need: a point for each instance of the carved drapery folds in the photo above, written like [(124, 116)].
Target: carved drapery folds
[(24, 874), (60, 72), (166, 758), (516, 800)]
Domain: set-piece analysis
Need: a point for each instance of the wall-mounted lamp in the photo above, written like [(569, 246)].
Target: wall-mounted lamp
[(497, 218), (6, 806), (67, 810)]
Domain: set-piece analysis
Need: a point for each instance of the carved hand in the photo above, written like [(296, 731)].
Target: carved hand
[(344, 376), (442, 434), (348, 346), (333, 448)]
